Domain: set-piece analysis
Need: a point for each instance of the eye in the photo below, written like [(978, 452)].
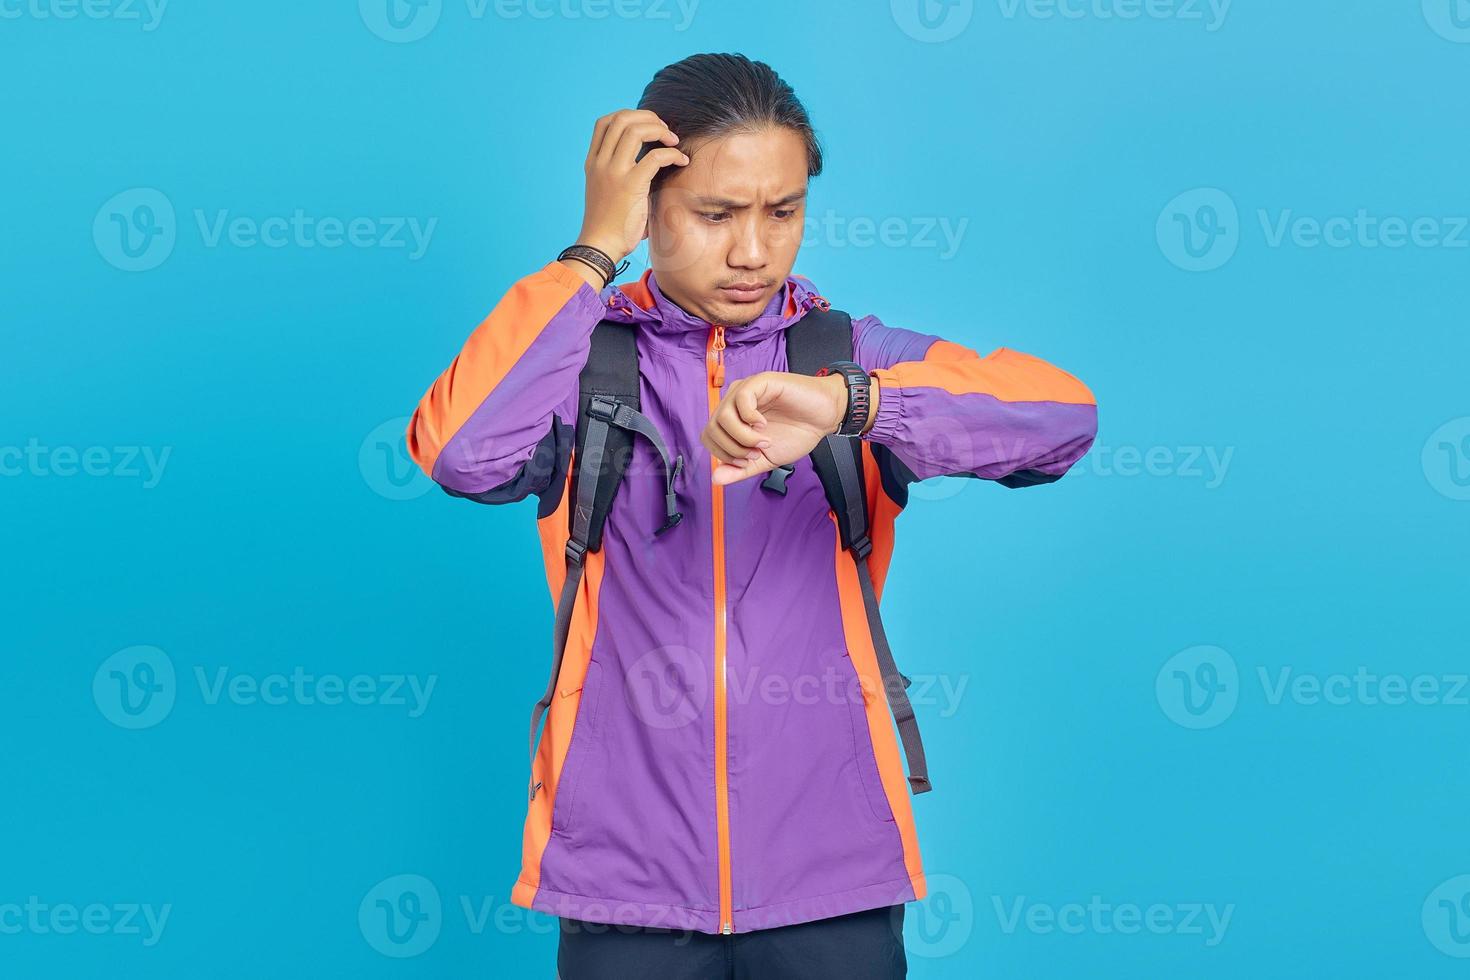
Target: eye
[(714, 217), (783, 213)]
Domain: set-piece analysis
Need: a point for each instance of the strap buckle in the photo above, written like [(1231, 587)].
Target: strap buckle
[(603, 407), (576, 551), (776, 479), (861, 546)]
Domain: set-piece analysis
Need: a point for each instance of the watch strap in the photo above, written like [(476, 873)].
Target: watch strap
[(859, 395)]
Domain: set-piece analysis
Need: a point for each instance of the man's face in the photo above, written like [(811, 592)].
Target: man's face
[(723, 231)]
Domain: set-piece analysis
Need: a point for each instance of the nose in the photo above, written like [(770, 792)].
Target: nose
[(748, 249)]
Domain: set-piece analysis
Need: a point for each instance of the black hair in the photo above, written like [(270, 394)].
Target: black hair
[(712, 95)]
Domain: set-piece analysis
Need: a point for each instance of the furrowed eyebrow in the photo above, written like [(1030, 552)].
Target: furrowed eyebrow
[(725, 204)]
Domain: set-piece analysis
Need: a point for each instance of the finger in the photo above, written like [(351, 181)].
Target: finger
[(730, 449), (722, 447), (631, 140), (618, 124), (614, 123), (613, 130), (715, 451), (727, 419), (732, 473), (747, 404), (599, 132), (656, 160)]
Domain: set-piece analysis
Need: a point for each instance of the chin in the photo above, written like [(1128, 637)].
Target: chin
[(738, 314), (733, 316)]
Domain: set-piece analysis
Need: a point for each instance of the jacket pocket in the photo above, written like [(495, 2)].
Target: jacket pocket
[(866, 759), (583, 752)]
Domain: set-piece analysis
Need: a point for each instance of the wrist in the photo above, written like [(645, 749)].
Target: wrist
[(837, 390), (873, 397), (612, 248), (602, 267)]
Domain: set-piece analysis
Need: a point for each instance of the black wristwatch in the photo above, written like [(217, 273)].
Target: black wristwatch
[(859, 396)]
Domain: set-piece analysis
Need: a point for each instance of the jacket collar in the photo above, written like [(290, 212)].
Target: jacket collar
[(660, 318)]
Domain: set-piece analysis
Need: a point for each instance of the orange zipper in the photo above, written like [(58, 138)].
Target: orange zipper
[(715, 361)]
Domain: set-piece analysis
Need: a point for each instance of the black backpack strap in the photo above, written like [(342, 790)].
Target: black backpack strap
[(817, 339), (608, 416)]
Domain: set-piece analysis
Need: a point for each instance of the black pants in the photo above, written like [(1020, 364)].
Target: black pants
[(860, 946)]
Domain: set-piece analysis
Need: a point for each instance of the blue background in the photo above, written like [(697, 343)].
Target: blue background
[(281, 533)]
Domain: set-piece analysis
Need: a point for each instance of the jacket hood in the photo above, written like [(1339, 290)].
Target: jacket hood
[(644, 304)]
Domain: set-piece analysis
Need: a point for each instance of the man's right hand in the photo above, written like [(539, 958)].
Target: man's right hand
[(615, 216)]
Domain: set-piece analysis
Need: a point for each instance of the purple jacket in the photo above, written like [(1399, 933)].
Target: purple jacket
[(719, 754)]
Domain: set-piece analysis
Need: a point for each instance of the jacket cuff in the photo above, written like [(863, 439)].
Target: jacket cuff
[(891, 407), (586, 297)]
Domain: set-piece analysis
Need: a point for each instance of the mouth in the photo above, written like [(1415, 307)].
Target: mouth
[(743, 292)]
